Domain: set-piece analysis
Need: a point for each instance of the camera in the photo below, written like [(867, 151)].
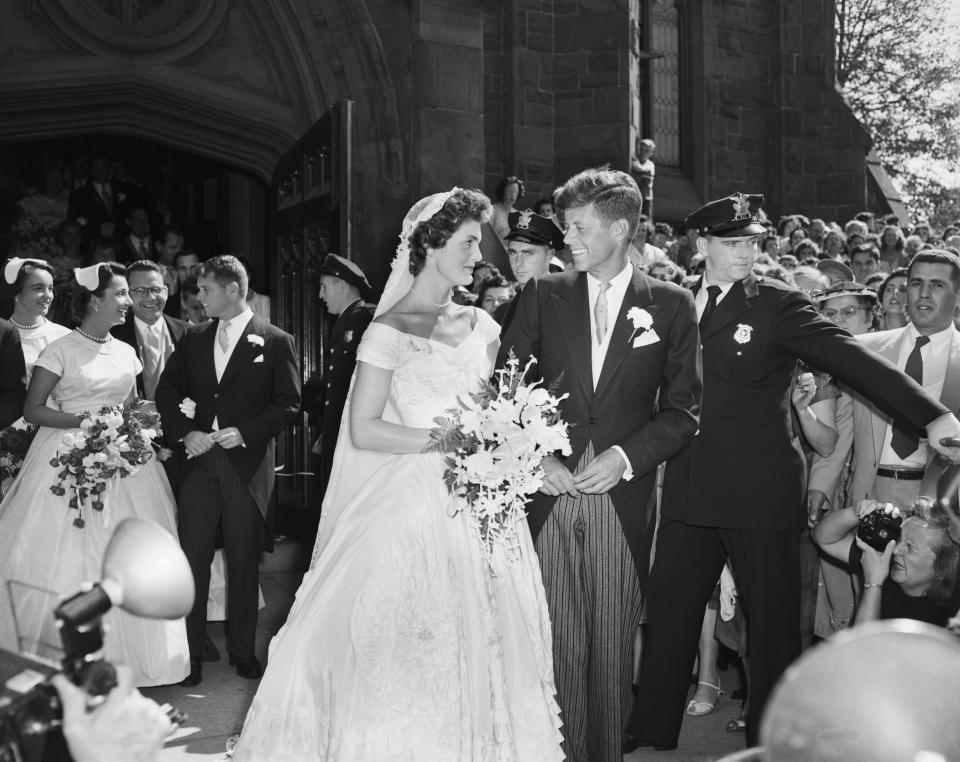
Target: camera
[(30, 710), (878, 527)]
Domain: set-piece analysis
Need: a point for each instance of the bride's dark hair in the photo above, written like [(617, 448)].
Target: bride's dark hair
[(463, 204), (80, 296)]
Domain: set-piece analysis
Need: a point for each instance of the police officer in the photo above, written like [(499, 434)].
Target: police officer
[(532, 244), (737, 489), (343, 289)]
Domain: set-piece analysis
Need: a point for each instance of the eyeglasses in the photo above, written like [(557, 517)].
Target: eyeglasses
[(846, 312), (151, 290)]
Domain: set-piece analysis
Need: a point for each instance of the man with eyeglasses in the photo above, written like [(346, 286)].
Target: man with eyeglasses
[(147, 329)]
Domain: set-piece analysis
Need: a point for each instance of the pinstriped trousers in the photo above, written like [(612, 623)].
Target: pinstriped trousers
[(213, 499), (594, 598)]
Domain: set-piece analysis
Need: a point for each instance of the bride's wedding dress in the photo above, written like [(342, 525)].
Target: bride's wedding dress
[(403, 643)]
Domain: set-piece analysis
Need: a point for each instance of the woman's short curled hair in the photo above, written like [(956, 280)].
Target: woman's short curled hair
[(80, 296), (946, 553), (501, 189), (463, 204)]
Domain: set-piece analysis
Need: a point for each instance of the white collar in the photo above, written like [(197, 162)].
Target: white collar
[(143, 327), (936, 339), (620, 280)]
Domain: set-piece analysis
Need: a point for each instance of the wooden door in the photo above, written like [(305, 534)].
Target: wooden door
[(310, 215)]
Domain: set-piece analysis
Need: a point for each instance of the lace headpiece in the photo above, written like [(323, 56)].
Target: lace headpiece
[(12, 269), (401, 278)]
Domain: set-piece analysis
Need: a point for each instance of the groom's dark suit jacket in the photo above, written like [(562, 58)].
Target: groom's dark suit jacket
[(647, 399), (12, 390), (259, 393)]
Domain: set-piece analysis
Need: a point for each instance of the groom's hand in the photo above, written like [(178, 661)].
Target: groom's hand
[(228, 438), (557, 479), (602, 474), (196, 443)]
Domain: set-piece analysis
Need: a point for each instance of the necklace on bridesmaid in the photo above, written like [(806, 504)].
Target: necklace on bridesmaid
[(97, 339), (23, 327), (434, 304)]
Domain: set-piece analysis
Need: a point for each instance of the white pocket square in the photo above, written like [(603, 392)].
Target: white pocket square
[(258, 358), (646, 338)]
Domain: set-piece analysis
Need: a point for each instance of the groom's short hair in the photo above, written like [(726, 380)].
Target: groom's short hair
[(225, 269), (614, 194)]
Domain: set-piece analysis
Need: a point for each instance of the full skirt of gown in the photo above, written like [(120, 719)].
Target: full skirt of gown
[(41, 548), (404, 644)]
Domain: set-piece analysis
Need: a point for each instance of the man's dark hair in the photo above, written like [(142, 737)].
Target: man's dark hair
[(144, 265), (938, 257), (615, 195), (226, 269)]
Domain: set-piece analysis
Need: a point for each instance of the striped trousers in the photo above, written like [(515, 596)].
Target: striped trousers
[(594, 598), (214, 502)]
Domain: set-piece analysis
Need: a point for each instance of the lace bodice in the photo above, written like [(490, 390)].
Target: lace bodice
[(91, 375), (429, 377)]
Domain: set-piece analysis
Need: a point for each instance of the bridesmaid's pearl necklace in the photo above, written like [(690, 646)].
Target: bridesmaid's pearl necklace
[(435, 304), (97, 339), (23, 327)]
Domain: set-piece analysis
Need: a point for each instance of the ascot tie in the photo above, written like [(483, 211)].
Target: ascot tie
[(902, 442), (713, 292), (600, 312), (151, 363), (222, 338)]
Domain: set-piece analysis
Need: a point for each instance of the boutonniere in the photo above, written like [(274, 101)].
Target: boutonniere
[(254, 339), (641, 319), (188, 407), (742, 334)]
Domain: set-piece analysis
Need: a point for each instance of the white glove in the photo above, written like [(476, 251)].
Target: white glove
[(188, 407)]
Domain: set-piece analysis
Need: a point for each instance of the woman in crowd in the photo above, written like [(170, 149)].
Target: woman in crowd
[(834, 245), (494, 292), (892, 242), (404, 641), (914, 577), (507, 195), (47, 544), (893, 300)]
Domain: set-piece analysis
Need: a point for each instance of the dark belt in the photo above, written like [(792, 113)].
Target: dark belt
[(903, 474)]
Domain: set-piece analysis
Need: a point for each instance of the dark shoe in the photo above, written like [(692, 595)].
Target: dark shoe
[(247, 667), (632, 743), (195, 676), (210, 651)]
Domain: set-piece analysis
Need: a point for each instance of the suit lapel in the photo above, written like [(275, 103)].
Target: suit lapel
[(733, 305), (636, 295), (205, 343), (243, 352), (571, 306)]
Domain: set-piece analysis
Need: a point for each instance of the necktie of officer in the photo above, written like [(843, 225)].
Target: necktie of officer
[(713, 293), (222, 338), (902, 442), (600, 312)]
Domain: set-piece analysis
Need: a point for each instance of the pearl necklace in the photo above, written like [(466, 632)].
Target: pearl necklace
[(23, 327), (97, 339), (435, 304)]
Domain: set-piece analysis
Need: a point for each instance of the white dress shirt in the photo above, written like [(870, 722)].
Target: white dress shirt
[(702, 296), (598, 352), (221, 357), (935, 355)]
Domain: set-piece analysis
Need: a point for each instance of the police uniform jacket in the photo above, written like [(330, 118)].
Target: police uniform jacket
[(744, 468)]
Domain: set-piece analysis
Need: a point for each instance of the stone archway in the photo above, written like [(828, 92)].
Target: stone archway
[(238, 81)]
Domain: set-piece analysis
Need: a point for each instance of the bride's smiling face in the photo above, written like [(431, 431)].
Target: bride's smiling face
[(455, 260)]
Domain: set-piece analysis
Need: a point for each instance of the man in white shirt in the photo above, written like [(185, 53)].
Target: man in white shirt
[(889, 461)]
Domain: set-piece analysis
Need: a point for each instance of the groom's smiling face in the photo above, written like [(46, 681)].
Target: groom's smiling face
[(591, 239)]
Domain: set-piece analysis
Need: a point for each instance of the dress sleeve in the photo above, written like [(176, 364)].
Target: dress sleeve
[(53, 358), (381, 346), (488, 327)]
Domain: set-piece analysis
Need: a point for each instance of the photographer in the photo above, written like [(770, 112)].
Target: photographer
[(914, 577), (126, 726)]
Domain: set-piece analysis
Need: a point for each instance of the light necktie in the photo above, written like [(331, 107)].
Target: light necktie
[(903, 442), (222, 338), (713, 293), (600, 312), (151, 363)]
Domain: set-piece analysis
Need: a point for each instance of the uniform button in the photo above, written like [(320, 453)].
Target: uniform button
[(330, 366), (216, 394), (326, 402)]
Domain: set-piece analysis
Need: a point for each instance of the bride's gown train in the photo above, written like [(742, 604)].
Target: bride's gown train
[(402, 643)]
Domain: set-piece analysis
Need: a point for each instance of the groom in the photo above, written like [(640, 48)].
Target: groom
[(241, 373), (625, 348)]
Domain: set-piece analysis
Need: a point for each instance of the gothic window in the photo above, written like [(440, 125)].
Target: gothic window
[(664, 101)]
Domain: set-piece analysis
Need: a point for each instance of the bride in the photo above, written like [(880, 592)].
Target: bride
[(403, 643)]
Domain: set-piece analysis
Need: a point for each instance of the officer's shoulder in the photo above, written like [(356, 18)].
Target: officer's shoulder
[(763, 282), (362, 311)]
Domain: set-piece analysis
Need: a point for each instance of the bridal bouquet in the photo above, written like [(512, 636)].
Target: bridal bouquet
[(15, 440), (112, 443), (495, 446)]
